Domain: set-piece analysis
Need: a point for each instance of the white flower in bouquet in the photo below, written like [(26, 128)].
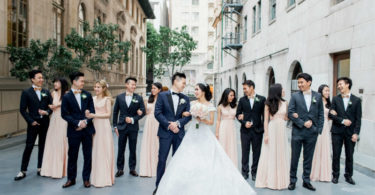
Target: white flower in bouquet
[(199, 110)]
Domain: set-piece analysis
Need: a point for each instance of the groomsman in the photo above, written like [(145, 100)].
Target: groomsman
[(307, 125), (125, 123), (250, 112), (346, 114), (34, 109), (74, 106)]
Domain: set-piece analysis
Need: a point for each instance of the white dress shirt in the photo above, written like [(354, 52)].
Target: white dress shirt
[(128, 100), (346, 101), (78, 97), (307, 97), (251, 99), (38, 92), (175, 99)]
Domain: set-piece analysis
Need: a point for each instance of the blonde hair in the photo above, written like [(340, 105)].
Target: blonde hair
[(105, 86)]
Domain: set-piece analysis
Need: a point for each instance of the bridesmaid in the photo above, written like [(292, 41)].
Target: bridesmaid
[(273, 167), (56, 148), (150, 141), (225, 125), (102, 172), (322, 162)]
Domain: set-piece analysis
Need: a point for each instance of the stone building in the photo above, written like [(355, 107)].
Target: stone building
[(271, 41), (22, 20)]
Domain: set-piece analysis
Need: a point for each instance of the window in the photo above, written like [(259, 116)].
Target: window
[(81, 19), (254, 19), (341, 68), (272, 10), (58, 10), (337, 1), (195, 2), (230, 82), (195, 16), (245, 28), (17, 22), (132, 57), (259, 15), (195, 32), (291, 2)]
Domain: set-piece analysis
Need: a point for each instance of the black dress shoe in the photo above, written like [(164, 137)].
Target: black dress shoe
[(308, 186), (350, 180), (38, 173), (134, 173), (69, 183), (335, 180), (86, 184), (253, 177), (154, 193), (245, 176), (119, 173), (20, 176), (292, 186)]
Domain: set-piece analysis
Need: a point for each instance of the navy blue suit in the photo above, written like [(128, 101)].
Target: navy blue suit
[(72, 113), (302, 136), (164, 113)]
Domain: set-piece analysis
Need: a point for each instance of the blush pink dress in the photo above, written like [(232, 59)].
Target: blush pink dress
[(56, 149), (227, 132), (103, 164), (322, 163), (150, 144), (273, 167)]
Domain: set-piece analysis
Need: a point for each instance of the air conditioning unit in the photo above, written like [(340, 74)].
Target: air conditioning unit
[(294, 85)]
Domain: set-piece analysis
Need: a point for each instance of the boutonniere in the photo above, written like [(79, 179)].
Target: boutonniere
[(83, 96), (314, 100), (134, 100), (182, 101), (350, 103), (256, 99), (43, 94)]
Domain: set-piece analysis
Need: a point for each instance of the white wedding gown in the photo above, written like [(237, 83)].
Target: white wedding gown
[(200, 166)]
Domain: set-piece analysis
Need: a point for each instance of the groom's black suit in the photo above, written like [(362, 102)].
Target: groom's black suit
[(254, 134), (342, 134), (302, 136)]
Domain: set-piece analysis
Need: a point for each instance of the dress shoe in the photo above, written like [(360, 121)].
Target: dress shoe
[(350, 180), (119, 173), (253, 177), (69, 183), (335, 180), (20, 176), (245, 176), (86, 184), (154, 193), (292, 186), (308, 186), (134, 173), (38, 172)]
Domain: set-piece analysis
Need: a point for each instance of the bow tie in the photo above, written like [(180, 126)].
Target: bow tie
[(307, 93), (77, 92), (131, 95), (345, 96), (174, 93), (251, 97), (37, 89)]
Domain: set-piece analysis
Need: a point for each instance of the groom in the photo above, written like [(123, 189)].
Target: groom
[(306, 112), (168, 112), (80, 129)]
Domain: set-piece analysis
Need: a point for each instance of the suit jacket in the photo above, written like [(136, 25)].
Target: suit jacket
[(122, 109), (297, 105), (255, 113), (30, 105), (353, 113), (72, 114), (164, 113)]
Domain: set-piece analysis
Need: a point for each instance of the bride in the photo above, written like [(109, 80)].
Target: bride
[(200, 166)]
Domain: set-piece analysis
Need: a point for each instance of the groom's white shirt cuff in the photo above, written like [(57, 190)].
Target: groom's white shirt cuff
[(132, 121)]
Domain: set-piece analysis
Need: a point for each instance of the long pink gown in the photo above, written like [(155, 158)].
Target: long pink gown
[(56, 149), (103, 164), (273, 167), (322, 163), (150, 144), (227, 132)]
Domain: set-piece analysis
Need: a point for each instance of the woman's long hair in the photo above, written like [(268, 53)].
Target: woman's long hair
[(224, 98), (274, 98), (64, 86), (105, 87), (206, 89), (320, 90), (158, 85)]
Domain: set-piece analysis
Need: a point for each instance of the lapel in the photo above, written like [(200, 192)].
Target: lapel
[(178, 106), (350, 104), (83, 102), (248, 102), (341, 102), (303, 100), (343, 105), (75, 100), (34, 95), (131, 101), (170, 101)]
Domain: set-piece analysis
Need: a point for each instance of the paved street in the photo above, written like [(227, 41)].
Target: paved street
[(10, 159)]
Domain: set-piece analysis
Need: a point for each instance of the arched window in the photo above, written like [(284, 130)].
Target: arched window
[(243, 77), (296, 70), (81, 19), (58, 11), (236, 83), (230, 82), (271, 77), (17, 23)]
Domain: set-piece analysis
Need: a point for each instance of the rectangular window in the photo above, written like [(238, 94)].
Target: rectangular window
[(245, 28), (195, 32), (195, 2), (17, 23), (291, 2), (254, 19), (259, 15), (341, 68), (195, 16), (272, 10)]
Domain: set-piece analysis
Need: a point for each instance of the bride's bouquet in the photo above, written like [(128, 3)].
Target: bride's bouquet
[(200, 111)]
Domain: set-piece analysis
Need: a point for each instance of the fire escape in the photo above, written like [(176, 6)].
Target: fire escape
[(231, 26)]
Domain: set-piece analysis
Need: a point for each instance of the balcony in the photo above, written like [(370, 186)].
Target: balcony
[(232, 41), (232, 5)]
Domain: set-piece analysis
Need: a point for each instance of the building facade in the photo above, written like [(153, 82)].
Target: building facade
[(23, 20), (160, 9), (271, 41)]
